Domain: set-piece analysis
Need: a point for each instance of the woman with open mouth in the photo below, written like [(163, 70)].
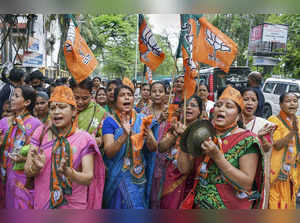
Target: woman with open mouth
[(129, 177), (90, 114), (264, 130), (173, 185), (285, 169), (65, 162), (229, 174), (15, 135)]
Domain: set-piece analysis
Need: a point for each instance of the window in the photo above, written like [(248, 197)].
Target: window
[(280, 89), (269, 87), (294, 88)]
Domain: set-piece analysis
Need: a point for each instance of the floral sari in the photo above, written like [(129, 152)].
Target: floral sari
[(218, 191), (16, 195)]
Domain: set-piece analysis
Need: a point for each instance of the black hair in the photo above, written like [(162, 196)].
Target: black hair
[(101, 89), (36, 75), (203, 84), (86, 84), (118, 89), (282, 96), (99, 78), (29, 93), (117, 82), (199, 101), (243, 91), (179, 76), (145, 84), (16, 75), (159, 82)]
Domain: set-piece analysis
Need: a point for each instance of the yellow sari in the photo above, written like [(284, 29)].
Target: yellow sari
[(283, 191)]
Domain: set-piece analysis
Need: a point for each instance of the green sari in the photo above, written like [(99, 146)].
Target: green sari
[(91, 119)]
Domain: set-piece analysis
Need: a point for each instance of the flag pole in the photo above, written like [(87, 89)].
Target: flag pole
[(173, 78), (184, 108), (136, 46)]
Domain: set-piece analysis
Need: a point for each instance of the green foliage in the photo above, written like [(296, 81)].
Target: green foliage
[(237, 27)]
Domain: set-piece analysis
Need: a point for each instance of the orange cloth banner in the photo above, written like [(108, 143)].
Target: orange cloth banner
[(150, 53), (213, 47), (80, 59), (138, 139)]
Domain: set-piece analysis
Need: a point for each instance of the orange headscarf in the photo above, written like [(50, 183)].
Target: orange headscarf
[(63, 94), (234, 95), (128, 83)]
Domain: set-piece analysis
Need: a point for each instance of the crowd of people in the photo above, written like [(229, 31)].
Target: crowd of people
[(117, 145)]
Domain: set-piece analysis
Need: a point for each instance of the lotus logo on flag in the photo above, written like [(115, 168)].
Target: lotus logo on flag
[(80, 59), (150, 53)]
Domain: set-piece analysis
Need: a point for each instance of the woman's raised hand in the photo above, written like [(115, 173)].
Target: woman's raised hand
[(126, 123), (267, 129), (63, 165), (210, 148), (38, 158)]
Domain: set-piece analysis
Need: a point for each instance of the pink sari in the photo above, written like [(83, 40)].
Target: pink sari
[(16, 195), (83, 197)]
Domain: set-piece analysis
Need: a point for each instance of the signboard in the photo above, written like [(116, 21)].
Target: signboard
[(33, 59), (265, 61), (268, 38), (275, 33), (33, 44)]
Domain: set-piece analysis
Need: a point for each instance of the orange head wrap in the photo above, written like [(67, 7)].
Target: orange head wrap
[(63, 94), (234, 95), (128, 83)]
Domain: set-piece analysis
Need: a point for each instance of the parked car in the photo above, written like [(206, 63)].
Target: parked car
[(273, 88)]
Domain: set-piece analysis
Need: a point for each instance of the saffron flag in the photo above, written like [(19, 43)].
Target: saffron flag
[(213, 47), (150, 53), (201, 42), (80, 59), (189, 31)]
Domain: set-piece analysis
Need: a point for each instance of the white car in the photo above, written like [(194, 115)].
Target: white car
[(273, 88)]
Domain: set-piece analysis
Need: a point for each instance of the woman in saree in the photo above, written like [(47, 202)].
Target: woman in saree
[(208, 104), (65, 162), (110, 91), (159, 111), (285, 169), (264, 130), (145, 97), (229, 173), (101, 97), (42, 107), (178, 89), (90, 114), (16, 132), (129, 175), (174, 185)]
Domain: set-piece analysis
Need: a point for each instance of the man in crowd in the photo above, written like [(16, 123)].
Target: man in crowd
[(15, 79), (254, 81)]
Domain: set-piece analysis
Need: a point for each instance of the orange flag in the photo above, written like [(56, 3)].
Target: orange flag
[(171, 110), (189, 31), (138, 139), (80, 59), (213, 47), (150, 53)]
